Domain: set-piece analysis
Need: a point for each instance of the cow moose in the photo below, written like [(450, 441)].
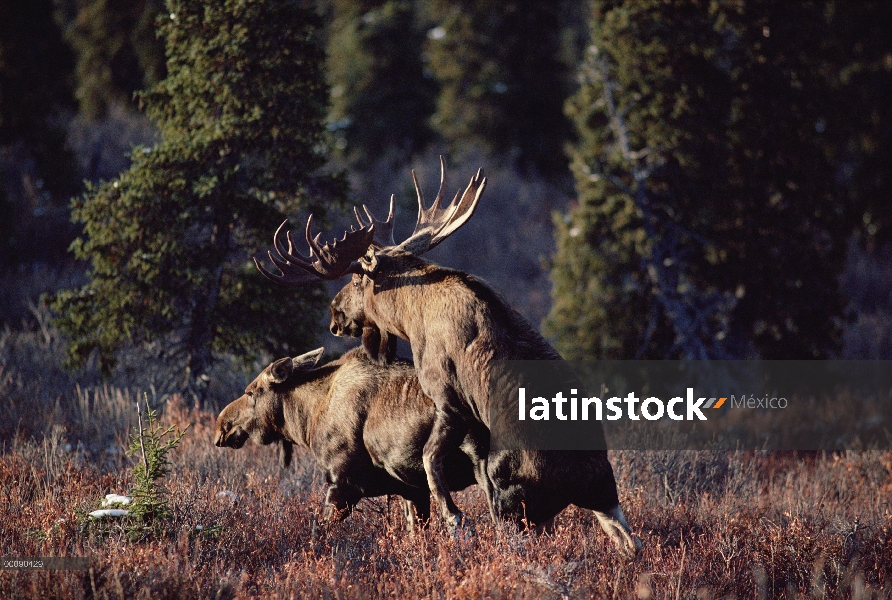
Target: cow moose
[(364, 424), (457, 327)]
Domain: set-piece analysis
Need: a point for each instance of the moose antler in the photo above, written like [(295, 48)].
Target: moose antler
[(383, 229), (325, 261), (436, 223)]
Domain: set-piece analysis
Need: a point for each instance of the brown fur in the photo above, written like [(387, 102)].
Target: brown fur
[(457, 326), (365, 425)]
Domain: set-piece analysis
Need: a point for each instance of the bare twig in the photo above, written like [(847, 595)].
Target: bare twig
[(145, 460), (680, 571)]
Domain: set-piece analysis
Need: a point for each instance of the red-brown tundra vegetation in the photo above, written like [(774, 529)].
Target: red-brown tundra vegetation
[(716, 525)]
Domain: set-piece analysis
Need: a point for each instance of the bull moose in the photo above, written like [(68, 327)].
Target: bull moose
[(365, 425), (457, 327)]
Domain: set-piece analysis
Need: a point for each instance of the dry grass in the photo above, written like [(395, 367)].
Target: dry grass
[(716, 525)]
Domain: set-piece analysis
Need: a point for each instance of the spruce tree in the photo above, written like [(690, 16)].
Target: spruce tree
[(117, 50), (37, 172), (382, 97), (709, 224), (859, 68), (503, 78), (150, 445), (240, 119)]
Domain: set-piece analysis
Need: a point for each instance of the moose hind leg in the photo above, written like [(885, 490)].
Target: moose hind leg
[(489, 490), (476, 448), (446, 435), (614, 524)]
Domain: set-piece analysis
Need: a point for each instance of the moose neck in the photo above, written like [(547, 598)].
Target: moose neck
[(401, 294), (303, 401)]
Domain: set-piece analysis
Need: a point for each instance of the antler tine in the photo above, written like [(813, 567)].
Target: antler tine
[(432, 216), (383, 229), (313, 243), (292, 274), (296, 269), (464, 209), (325, 261), (289, 255), (437, 223), (420, 195), (293, 270), (442, 181), (271, 276), (334, 260)]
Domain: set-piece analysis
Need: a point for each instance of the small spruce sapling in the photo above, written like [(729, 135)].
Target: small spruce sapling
[(149, 506)]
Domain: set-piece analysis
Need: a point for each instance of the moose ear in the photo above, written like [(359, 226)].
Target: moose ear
[(308, 360), (280, 370), (369, 262)]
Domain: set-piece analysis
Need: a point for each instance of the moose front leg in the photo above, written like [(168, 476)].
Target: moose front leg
[(446, 435), (339, 502), (379, 346), (286, 451), (417, 511)]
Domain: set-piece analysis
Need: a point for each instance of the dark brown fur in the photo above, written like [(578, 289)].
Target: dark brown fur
[(365, 425)]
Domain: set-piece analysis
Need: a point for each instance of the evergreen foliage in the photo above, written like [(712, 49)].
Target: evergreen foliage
[(117, 50), (503, 80), (35, 96), (382, 97), (859, 67), (709, 222), (151, 446), (34, 76), (240, 118)]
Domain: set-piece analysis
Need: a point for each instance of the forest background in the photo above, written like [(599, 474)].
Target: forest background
[(667, 180), (689, 179)]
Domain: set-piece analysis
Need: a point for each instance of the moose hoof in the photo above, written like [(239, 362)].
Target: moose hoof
[(630, 546), (455, 522)]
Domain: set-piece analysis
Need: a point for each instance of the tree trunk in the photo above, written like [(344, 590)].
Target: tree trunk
[(201, 331)]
